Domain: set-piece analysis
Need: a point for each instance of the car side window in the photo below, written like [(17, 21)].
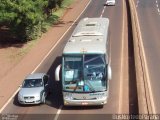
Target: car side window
[(45, 78)]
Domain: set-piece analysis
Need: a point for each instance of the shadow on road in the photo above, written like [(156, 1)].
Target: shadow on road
[(133, 97), (55, 99), (81, 107)]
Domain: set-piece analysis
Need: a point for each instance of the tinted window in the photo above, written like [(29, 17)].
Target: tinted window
[(30, 83)]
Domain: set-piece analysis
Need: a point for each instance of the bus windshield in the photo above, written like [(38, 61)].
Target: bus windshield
[(84, 73)]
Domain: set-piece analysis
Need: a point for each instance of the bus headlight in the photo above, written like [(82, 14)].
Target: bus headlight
[(67, 95), (101, 97)]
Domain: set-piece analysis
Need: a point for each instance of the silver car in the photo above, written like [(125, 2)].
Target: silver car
[(34, 89), (110, 2)]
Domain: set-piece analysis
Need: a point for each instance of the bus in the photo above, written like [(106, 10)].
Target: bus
[(85, 68)]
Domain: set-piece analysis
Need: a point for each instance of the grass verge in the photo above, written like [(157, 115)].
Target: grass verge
[(58, 13)]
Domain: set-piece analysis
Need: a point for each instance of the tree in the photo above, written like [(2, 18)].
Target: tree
[(23, 17), (59, 2)]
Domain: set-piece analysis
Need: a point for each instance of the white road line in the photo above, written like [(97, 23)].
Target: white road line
[(147, 70), (58, 113), (103, 10), (43, 59), (157, 6), (137, 3), (4, 106), (121, 70), (60, 108)]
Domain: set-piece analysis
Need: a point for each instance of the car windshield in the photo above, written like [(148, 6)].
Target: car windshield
[(85, 73), (31, 83)]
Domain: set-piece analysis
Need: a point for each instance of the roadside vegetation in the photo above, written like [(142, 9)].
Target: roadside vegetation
[(26, 20), (16, 40)]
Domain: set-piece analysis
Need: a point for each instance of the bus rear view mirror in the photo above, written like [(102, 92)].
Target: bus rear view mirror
[(57, 73), (109, 72)]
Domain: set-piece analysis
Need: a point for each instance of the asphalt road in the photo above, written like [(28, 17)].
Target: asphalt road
[(118, 96), (149, 18)]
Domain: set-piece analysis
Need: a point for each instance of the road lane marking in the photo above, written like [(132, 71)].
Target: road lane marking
[(121, 69), (44, 58), (103, 9), (137, 3), (146, 68), (157, 5), (4, 106), (58, 112)]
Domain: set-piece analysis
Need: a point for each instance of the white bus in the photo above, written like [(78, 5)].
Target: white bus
[(85, 64)]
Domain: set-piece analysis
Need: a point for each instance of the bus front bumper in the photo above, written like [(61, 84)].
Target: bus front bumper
[(84, 102)]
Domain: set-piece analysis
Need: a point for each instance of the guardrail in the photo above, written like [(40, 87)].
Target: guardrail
[(144, 100)]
